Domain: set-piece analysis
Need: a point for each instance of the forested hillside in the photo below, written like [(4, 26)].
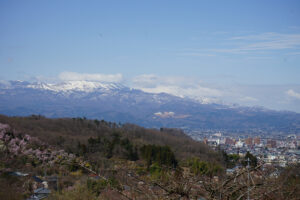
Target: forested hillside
[(76, 149), (78, 158), (67, 133)]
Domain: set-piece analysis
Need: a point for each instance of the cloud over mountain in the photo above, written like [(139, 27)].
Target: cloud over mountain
[(294, 94), (279, 97), (74, 76), (176, 85)]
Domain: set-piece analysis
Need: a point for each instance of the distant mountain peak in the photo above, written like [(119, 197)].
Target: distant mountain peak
[(115, 102), (83, 86)]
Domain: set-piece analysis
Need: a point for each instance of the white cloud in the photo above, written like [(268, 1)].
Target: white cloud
[(252, 43), (292, 93), (245, 95), (268, 41), (178, 86), (74, 76)]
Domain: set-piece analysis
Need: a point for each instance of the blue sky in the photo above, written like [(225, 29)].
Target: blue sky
[(225, 46)]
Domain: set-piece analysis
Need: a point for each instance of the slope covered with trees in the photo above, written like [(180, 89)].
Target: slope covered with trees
[(93, 159), (81, 135), (76, 148)]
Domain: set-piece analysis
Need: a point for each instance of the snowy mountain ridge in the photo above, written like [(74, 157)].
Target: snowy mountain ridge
[(66, 86), (116, 102)]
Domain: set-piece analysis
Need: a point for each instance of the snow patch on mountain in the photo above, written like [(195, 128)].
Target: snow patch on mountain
[(83, 86)]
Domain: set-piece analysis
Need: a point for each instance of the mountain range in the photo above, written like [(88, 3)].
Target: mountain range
[(116, 102)]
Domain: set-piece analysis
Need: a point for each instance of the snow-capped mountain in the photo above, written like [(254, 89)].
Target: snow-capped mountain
[(116, 102), (67, 86), (83, 86)]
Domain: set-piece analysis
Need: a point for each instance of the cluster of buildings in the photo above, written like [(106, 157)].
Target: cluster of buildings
[(275, 150)]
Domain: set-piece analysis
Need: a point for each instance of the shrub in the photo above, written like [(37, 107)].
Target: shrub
[(162, 155), (96, 186), (204, 168)]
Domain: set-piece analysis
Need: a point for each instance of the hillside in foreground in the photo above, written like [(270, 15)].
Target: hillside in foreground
[(77, 158)]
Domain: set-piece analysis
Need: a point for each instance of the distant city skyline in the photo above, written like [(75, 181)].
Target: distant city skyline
[(245, 52)]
